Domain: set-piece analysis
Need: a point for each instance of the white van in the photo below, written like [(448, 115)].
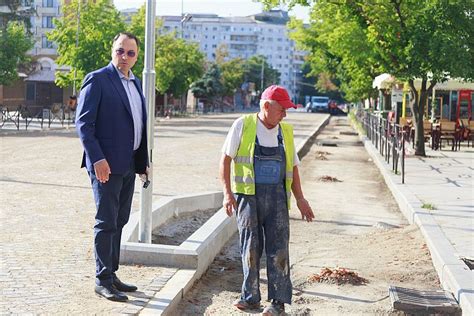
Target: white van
[(318, 104)]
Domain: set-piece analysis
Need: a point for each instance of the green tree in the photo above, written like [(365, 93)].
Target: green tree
[(325, 85), (99, 22), (232, 71), (178, 64), (232, 75), (253, 72), (137, 28), (209, 87), (15, 41), (431, 40), (339, 54), (16, 12)]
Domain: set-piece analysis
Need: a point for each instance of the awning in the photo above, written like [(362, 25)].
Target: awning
[(450, 84), (383, 81), (386, 81)]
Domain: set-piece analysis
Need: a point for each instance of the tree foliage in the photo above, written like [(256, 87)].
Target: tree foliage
[(253, 72), (15, 41), (16, 12), (209, 86), (431, 40), (339, 55), (178, 64), (100, 21), (137, 28), (232, 70)]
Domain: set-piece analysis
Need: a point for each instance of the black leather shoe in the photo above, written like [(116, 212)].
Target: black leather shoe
[(111, 293), (123, 287)]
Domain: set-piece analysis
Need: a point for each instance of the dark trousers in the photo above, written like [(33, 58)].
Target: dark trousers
[(113, 201)]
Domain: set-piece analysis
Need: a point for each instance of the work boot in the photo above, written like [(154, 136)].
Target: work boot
[(276, 308), (243, 305)]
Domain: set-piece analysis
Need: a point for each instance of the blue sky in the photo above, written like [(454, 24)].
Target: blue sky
[(221, 7)]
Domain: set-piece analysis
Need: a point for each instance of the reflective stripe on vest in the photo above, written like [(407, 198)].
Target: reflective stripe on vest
[(242, 159), (246, 180), (243, 177)]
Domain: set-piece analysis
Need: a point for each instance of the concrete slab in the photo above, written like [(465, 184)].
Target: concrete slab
[(194, 253)]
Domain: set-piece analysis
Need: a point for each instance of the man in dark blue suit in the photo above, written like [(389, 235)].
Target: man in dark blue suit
[(111, 123)]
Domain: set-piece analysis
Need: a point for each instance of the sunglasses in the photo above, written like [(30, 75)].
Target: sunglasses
[(121, 51)]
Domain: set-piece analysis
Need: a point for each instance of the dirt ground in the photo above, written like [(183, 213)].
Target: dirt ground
[(358, 226), (177, 229)]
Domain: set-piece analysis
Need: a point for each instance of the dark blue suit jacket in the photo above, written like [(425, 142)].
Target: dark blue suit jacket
[(104, 123)]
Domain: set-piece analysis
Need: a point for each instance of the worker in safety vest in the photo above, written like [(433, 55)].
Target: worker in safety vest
[(259, 170)]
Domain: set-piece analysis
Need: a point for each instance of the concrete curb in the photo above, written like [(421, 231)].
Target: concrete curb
[(303, 147), (454, 275), (197, 250), (167, 299)]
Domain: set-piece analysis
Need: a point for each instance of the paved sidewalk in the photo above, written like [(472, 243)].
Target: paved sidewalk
[(438, 195)]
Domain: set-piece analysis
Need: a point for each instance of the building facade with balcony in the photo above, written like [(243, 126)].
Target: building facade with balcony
[(263, 34), (37, 88)]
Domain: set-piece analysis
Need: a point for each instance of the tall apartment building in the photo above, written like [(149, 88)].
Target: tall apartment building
[(260, 34)]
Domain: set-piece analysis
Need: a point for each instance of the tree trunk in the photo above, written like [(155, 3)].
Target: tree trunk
[(417, 105), (165, 104), (387, 106)]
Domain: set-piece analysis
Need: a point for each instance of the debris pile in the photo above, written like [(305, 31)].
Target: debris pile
[(337, 276), (321, 155), (329, 179)]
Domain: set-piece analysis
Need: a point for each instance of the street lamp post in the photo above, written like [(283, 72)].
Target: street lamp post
[(294, 86), (149, 77), (187, 17), (295, 90)]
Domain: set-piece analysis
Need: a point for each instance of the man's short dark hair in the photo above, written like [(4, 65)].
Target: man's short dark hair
[(129, 35)]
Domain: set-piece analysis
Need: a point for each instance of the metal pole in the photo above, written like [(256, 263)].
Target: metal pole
[(149, 77), (182, 18), (261, 77), (294, 86), (77, 43)]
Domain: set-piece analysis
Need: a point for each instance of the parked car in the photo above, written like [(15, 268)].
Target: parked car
[(318, 104)]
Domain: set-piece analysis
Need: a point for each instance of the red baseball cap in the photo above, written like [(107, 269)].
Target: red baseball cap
[(279, 94)]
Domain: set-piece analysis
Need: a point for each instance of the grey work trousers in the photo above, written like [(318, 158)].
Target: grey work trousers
[(263, 222)]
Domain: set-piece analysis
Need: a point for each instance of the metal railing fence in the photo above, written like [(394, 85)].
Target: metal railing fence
[(23, 115), (387, 137)]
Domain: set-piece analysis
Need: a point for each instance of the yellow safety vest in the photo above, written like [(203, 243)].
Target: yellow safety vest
[(243, 176)]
